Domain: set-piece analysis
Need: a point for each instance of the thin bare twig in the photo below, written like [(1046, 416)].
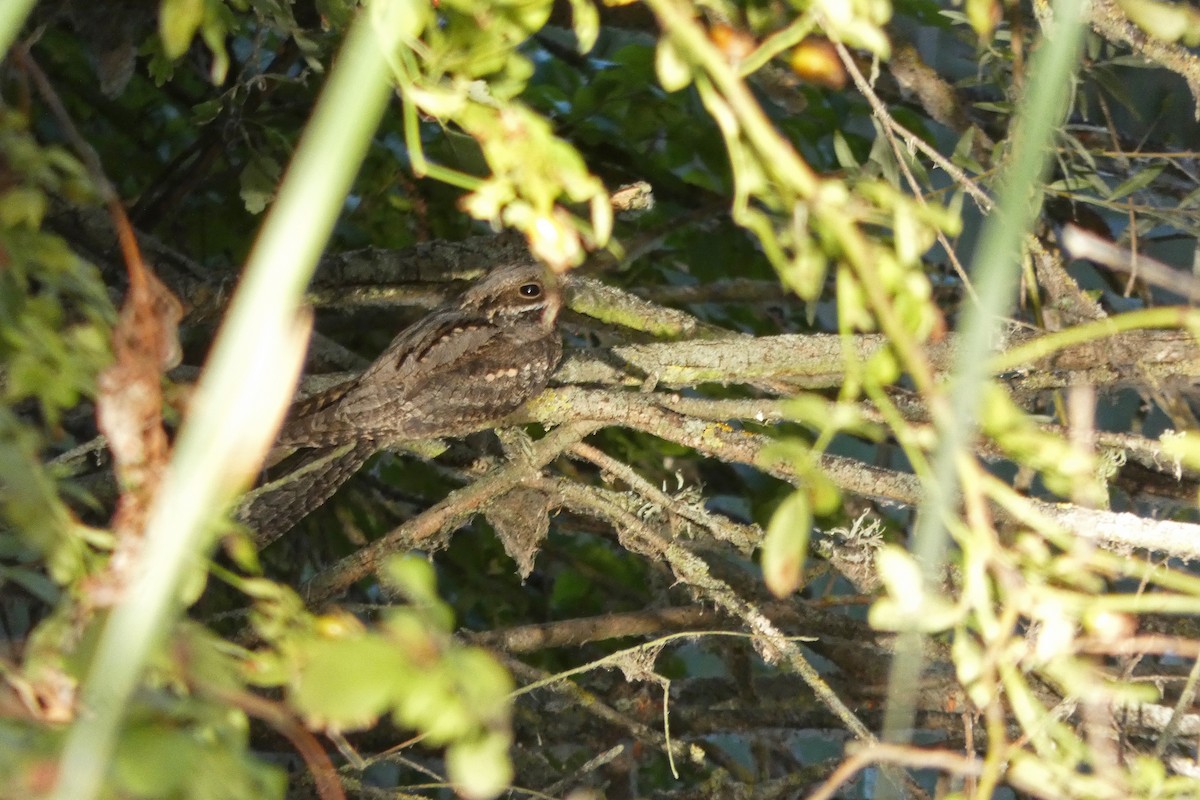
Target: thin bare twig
[(911, 757), (890, 128), (1080, 243), (981, 198)]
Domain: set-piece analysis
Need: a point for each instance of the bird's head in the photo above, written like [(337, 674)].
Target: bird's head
[(517, 293)]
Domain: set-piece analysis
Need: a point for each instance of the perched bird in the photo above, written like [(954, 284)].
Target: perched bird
[(466, 364)]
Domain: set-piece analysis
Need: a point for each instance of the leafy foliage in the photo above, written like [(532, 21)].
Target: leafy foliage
[(55, 318)]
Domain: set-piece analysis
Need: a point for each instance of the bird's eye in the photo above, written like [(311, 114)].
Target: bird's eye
[(530, 291)]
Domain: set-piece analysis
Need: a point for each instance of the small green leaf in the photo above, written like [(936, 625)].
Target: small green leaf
[(585, 19), (1171, 22), (430, 703), (883, 368), (486, 684), (908, 605), (912, 238), (786, 544), (23, 205), (154, 761), (825, 496), (178, 21), (258, 182), (984, 16), (348, 683), (218, 21), (1140, 180), (1183, 447), (414, 577), (480, 769), (804, 272), (900, 573), (674, 72), (843, 153)]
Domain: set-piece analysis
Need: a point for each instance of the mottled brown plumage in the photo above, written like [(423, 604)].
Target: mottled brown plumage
[(466, 364)]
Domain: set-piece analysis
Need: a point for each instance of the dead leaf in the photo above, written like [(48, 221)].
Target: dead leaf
[(522, 520), (129, 413)]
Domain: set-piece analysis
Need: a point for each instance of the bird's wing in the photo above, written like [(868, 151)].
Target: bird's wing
[(416, 373), (436, 341), (397, 386)]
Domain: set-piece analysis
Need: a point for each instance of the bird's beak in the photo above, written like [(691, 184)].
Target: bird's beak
[(555, 300)]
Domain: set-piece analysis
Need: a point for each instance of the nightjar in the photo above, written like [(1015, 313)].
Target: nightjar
[(466, 364)]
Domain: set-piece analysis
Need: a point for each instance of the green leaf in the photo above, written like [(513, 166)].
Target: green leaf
[(258, 182), (178, 21), (23, 205), (908, 605), (883, 368), (821, 414), (786, 544), (348, 683), (1138, 181), (155, 761), (984, 15), (804, 272), (412, 575), (486, 684), (480, 768), (1183, 447), (585, 20), (431, 704), (674, 72), (192, 758), (218, 21), (823, 492), (843, 153), (1171, 22)]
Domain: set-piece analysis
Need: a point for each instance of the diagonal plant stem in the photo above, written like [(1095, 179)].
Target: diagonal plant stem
[(258, 333), (995, 272)]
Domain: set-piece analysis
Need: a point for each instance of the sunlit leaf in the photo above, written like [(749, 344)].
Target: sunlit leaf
[(673, 70), (786, 544), (348, 683), (585, 20), (178, 21), (480, 768)]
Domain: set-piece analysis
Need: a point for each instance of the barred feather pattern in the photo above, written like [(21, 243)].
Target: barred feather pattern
[(314, 476), (463, 366)]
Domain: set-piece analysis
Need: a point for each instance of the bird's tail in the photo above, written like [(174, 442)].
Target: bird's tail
[(275, 507)]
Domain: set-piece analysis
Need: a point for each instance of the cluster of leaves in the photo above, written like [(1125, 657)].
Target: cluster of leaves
[(340, 675), (55, 326), (55, 318)]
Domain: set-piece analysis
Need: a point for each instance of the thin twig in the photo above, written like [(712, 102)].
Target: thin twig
[(890, 129), (280, 718), (1080, 243), (772, 643), (911, 757), (981, 198)]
